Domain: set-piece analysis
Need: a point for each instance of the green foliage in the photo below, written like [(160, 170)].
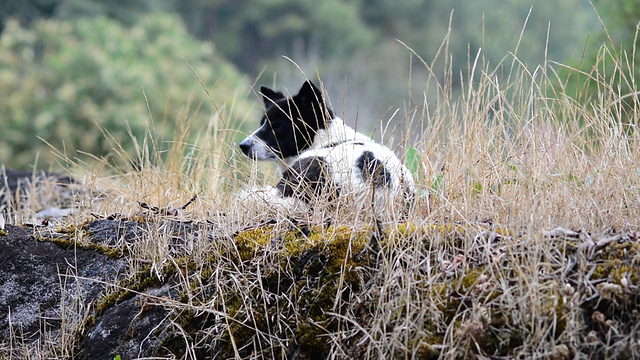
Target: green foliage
[(124, 11), (437, 183), (340, 29), (61, 78), (413, 160), (607, 70), (352, 44), (621, 17), (26, 11), (252, 31)]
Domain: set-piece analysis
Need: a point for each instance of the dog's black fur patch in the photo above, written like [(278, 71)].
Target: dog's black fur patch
[(306, 179), (319, 156), (290, 124), (373, 170)]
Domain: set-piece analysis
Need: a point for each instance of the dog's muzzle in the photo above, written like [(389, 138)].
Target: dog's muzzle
[(257, 150), (246, 146)]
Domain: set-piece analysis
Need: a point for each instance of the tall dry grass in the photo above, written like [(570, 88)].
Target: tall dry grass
[(476, 269)]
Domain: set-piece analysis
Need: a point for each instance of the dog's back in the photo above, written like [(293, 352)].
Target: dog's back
[(360, 175), (325, 162)]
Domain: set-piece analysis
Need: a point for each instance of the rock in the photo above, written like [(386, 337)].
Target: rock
[(109, 232), (132, 329), (14, 179), (34, 276), (52, 288)]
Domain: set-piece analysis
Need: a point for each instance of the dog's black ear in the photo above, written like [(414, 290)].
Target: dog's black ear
[(270, 96), (310, 96), (311, 93)]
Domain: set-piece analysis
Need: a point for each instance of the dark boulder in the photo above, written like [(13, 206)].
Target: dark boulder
[(34, 276)]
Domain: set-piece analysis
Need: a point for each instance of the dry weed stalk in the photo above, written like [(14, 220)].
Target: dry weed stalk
[(514, 177)]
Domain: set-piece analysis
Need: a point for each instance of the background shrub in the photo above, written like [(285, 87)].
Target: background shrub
[(65, 80)]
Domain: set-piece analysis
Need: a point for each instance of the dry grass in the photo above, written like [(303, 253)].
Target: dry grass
[(485, 264)]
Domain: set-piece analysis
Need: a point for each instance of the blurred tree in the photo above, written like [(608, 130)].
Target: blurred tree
[(59, 77), (250, 31), (25, 11), (622, 17), (484, 24), (125, 11), (253, 32), (609, 68), (354, 40)]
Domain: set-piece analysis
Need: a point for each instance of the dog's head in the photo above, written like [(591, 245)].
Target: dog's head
[(288, 125)]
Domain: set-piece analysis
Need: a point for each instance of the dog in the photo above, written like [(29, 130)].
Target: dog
[(322, 160)]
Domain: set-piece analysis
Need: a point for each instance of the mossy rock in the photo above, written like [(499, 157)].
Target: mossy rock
[(618, 260)]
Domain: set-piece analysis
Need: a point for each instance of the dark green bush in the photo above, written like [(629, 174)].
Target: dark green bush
[(65, 80)]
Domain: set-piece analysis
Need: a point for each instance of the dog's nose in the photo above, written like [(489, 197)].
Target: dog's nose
[(245, 146)]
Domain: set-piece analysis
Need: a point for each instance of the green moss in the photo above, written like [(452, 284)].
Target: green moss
[(426, 232), (315, 267), (470, 279), (3, 232), (249, 242), (106, 302), (74, 242), (616, 261), (66, 229), (459, 294), (561, 322), (342, 243), (426, 350), (316, 274), (311, 341), (130, 287), (110, 252)]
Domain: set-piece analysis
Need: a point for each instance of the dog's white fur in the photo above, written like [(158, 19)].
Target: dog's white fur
[(341, 146), (324, 163), (349, 147)]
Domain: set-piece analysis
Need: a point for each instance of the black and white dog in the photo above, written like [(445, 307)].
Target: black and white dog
[(321, 158)]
